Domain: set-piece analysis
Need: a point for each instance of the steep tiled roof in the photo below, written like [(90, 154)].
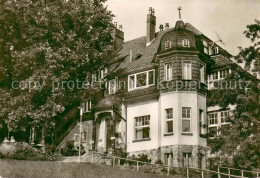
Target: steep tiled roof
[(220, 61), (108, 101), (146, 53)]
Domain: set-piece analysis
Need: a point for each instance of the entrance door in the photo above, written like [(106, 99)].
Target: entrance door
[(110, 135)]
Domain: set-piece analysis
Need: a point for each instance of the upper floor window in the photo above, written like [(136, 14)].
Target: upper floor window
[(168, 71), (168, 44), (216, 50), (169, 120), (224, 115), (141, 80), (142, 127), (186, 119), (112, 86), (186, 70), (202, 122), (215, 75), (202, 73), (86, 106), (213, 118), (206, 47), (223, 74), (186, 43)]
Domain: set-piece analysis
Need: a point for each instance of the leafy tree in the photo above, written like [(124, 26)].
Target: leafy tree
[(45, 43), (238, 144)]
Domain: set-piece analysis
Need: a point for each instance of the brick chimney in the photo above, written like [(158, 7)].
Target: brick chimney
[(161, 27), (151, 22), (167, 26), (119, 37)]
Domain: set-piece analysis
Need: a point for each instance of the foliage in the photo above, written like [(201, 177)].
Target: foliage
[(158, 161), (238, 143), (141, 157), (59, 41), (251, 55), (24, 151)]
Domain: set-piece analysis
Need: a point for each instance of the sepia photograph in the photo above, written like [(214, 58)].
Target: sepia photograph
[(129, 88)]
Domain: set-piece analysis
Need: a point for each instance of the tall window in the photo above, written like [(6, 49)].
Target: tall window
[(186, 119), (87, 106), (168, 71), (186, 70), (169, 120), (202, 73), (167, 44), (112, 86), (202, 121), (142, 127), (213, 118), (141, 80), (186, 43), (186, 159)]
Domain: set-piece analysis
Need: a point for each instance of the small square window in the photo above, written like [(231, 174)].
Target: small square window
[(186, 43)]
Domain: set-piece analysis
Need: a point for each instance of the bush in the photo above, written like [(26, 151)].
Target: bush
[(24, 151), (158, 161)]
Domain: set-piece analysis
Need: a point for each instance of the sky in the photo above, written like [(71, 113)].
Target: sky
[(228, 18)]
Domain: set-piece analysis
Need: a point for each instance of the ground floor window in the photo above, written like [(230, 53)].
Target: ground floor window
[(200, 159), (213, 131), (186, 159), (142, 127), (168, 158)]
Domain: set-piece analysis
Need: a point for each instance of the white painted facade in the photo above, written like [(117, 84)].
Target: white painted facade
[(156, 110)]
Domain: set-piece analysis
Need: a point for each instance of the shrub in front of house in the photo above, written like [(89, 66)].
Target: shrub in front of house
[(24, 151)]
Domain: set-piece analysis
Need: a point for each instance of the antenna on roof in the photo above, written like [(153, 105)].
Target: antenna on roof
[(219, 40), (179, 9)]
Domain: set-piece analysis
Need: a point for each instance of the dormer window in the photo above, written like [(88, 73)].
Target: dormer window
[(206, 47), (216, 50), (112, 86), (186, 43), (141, 80), (168, 44)]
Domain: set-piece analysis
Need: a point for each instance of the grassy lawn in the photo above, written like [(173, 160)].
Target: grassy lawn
[(20, 168)]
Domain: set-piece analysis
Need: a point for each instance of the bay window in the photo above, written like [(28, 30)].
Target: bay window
[(186, 70), (224, 115), (202, 73), (168, 71), (186, 119), (169, 120), (213, 118)]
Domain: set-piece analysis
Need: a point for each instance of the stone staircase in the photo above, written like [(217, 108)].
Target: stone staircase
[(89, 157)]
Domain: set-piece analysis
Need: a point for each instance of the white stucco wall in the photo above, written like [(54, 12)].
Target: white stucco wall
[(142, 109), (177, 100)]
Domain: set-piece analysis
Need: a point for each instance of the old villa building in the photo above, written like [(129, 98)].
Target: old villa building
[(155, 101)]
